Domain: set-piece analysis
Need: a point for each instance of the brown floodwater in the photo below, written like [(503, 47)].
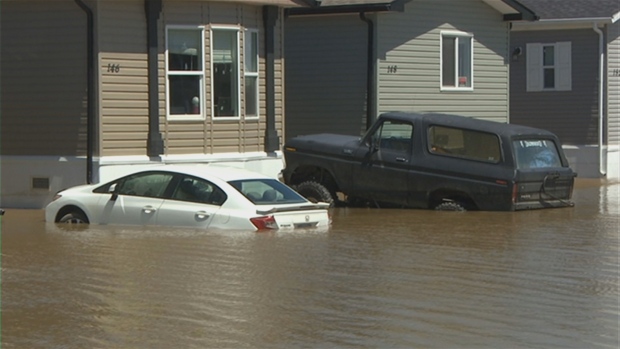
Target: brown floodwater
[(375, 279)]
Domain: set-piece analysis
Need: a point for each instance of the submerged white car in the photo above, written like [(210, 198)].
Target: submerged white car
[(199, 196)]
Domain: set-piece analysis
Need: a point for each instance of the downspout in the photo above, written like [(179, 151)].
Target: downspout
[(370, 71), (270, 17), (90, 83), (155, 143), (601, 115)]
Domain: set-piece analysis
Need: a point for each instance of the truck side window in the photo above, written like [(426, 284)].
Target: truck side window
[(394, 135), (468, 144)]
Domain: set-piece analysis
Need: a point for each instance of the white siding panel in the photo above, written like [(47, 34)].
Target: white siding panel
[(411, 42), (614, 84)]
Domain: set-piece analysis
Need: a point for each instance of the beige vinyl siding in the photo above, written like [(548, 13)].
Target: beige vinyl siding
[(222, 136), (43, 78), (613, 98), (124, 94), (411, 42)]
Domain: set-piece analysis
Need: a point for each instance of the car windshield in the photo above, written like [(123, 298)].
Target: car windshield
[(536, 153), (267, 191)]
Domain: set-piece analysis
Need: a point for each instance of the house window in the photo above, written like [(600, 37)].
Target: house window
[(456, 61), (225, 72), (185, 73), (549, 67), (250, 57)]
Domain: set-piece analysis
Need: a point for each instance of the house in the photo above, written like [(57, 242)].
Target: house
[(565, 77), (349, 60), (92, 88)]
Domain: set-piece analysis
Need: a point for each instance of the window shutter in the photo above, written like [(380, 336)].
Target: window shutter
[(534, 67), (564, 68)]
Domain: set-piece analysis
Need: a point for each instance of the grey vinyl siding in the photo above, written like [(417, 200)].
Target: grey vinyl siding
[(410, 41), (325, 74), (613, 98), (124, 94), (572, 115), (43, 78)]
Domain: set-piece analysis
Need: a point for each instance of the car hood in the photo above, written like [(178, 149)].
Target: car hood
[(79, 188), (323, 142)]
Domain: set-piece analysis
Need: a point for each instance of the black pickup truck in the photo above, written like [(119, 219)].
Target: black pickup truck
[(436, 161)]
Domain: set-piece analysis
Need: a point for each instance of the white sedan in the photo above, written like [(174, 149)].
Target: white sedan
[(200, 196)]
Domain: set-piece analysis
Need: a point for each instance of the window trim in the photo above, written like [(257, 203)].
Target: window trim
[(457, 35), (201, 73), (256, 74), (237, 30)]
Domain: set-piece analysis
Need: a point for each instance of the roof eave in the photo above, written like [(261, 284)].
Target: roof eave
[(563, 23), (397, 5), (512, 10)]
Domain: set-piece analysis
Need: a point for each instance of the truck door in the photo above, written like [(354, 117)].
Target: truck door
[(383, 162)]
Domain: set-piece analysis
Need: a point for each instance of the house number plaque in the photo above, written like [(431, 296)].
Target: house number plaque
[(391, 69), (615, 72), (114, 68)]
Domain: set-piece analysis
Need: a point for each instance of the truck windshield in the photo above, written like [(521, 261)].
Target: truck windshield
[(536, 153)]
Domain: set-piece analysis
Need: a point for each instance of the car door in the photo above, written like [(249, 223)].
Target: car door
[(384, 159), (135, 199), (194, 202)]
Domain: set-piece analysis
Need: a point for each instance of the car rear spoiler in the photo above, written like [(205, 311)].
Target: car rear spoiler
[(317, 206)]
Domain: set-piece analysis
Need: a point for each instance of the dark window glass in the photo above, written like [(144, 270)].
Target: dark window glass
[(198, 190), (448, 61), (267, 191)]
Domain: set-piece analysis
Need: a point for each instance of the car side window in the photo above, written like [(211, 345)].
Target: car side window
[(198, 190), (394, 135), (150, 184)]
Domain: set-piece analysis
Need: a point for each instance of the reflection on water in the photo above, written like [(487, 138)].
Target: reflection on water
[(376, 279)]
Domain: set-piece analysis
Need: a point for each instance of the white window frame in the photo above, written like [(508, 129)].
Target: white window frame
[(200, 73), (535, 66), (457, 35), (246, 45), (238, 101)]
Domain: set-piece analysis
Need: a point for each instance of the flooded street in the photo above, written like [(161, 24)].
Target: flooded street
[(376, 279)]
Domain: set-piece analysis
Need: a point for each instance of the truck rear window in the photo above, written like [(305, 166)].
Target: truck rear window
[(536, 153), (468, 144)]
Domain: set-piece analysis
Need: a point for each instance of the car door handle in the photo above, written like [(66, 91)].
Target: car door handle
[(202, 215), (149, 209), (399, 159)]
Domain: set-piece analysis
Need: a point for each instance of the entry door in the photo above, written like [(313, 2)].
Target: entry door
[(384, 160)]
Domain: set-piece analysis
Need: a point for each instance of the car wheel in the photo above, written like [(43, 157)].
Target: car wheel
[(315, 192), (450, 206), (73, 218)]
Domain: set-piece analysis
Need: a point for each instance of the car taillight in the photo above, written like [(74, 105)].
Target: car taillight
[(264, 222), (56, 197)]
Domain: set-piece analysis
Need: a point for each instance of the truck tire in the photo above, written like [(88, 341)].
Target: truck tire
[(450, 206), (315, 192)]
